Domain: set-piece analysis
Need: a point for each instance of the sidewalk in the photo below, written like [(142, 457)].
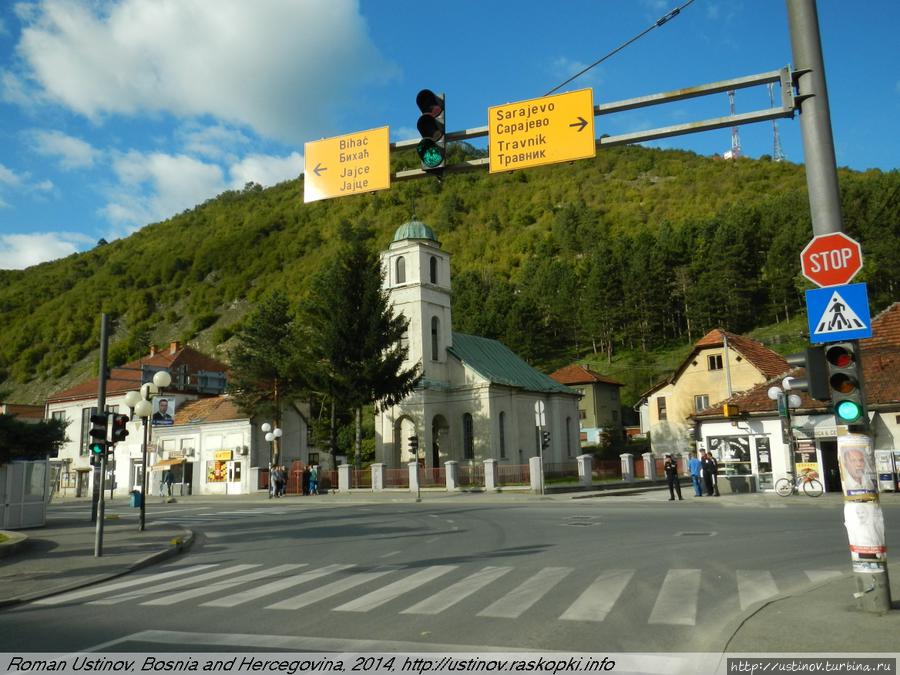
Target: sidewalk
[(60, 556)]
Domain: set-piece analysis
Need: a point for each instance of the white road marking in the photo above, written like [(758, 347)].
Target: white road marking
[(521, 598), (676, 603), (456, 592), (755, 586), (221, 586), (97, 590), (328, 590), (275, 587), (391, 591), (597, 601), (159, 588)]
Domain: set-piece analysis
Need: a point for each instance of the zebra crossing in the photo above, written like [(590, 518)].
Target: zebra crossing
[(502, 592)]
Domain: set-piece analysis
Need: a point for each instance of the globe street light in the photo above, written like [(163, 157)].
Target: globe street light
[(140, 402), (272, 436)]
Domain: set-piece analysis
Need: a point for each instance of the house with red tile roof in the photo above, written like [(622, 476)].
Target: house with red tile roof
[(599, 409), (719, 365), (754, 449), (210, 446)]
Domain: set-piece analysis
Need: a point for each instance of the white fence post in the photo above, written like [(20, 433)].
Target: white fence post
[(344, 477), (585, 467), (627, 467), (451, 472), (378, 477), (490, 475), (649, 466)]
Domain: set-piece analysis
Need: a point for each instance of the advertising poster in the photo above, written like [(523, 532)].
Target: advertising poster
[(865, 532), (163, 411), (856, 459), (805, 459)]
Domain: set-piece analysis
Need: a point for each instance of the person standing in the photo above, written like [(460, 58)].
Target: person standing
[(670, 466), (169, 480), (314, 480), (710, 474), (694, 466)]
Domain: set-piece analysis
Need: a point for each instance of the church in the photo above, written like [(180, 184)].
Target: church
[(476, 400)]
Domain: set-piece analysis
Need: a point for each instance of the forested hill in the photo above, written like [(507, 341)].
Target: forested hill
[(636, 249)]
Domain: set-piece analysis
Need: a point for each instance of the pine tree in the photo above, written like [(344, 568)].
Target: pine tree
[(353, 337)]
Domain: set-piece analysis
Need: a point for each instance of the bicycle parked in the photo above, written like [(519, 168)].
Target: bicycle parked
[(808, 482)]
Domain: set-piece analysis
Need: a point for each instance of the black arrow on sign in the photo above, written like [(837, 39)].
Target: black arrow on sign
[(582, 123), (319, 168)]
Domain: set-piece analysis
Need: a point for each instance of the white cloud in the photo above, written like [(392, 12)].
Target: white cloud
[(155, 186), (218, 142), (18, 251), (273, 68), (73, 153), (266, 169), (9, 177), (563, 68)]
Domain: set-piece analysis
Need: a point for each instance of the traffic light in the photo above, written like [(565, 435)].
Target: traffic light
[(816, 380), (99, 433), (432, 149), (119, 428), (414, 446), (845, 383), (545, 440)]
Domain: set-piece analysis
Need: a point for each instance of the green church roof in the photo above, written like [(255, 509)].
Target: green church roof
[(414, 229), (498, 364)]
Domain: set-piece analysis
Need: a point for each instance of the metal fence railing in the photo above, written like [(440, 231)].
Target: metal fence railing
[(513, 474)]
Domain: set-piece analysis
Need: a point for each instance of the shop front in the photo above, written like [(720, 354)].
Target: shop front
[(224, 473)]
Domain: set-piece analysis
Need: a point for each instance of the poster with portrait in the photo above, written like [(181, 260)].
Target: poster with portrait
[(163, 411), (857, 461), (865, 532)]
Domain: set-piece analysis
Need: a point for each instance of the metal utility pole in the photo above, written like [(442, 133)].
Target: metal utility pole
[(862, 516), (97, 502)]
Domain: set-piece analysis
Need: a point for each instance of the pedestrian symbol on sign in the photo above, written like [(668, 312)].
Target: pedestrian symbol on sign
[(838, 317)]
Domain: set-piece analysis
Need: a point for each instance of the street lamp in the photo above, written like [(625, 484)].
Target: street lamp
[(140, 403), (272, 436)]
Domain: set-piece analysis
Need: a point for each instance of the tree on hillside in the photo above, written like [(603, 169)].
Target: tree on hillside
[(353, 339), (267, 362)]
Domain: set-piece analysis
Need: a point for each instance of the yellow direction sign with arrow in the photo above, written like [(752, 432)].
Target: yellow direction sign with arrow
[(541, 131), (347, 165)]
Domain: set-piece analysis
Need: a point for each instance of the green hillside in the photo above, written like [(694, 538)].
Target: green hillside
[(623, 260)]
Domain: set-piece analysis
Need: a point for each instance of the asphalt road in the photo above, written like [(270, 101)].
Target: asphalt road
[(621, 574)]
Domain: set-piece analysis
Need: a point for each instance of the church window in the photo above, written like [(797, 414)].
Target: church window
[(401, 270), (468, 437), (435, 330), (434, 269), (502, 435)]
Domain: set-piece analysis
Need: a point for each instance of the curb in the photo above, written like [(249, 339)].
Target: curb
[(178, 544)]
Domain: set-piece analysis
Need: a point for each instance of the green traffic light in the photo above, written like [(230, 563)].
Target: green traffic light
[(848, 411), (430, 154), (97, 448)]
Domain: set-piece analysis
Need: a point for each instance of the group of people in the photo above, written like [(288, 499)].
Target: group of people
[(309, 480), (704, 472)]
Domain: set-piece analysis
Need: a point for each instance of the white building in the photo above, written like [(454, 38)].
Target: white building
[(476, 400)]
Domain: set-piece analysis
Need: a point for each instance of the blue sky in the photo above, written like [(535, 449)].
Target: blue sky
[(120, 113)]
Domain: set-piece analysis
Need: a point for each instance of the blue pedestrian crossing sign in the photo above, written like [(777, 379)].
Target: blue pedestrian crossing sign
[(838, 313)]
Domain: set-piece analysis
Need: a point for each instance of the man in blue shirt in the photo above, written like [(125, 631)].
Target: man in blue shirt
[(694, 468)]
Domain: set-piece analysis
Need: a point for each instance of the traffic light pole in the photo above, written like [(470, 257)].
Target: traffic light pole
[(871, 572), (98, 504)]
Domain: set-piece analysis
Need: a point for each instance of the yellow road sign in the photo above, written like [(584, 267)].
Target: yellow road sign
[(347, 165), (541, 131)]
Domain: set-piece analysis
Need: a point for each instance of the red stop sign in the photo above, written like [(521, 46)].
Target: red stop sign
[(831, 259)]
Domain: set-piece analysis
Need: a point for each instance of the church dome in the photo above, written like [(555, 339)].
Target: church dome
[(414, 229)]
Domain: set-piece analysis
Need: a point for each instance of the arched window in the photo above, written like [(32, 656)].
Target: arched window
[(401, 270), (502, 435), (434, 268), (468, 437), (435, 330)]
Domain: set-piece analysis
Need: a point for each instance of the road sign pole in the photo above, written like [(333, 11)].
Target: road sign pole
[(98, 505), (873, 588)]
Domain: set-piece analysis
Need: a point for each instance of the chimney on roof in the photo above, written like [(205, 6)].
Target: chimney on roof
[(152, 350), (174, 347)]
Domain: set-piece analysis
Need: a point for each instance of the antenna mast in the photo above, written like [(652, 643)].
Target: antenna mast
[(735, 137), (777, 152)]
